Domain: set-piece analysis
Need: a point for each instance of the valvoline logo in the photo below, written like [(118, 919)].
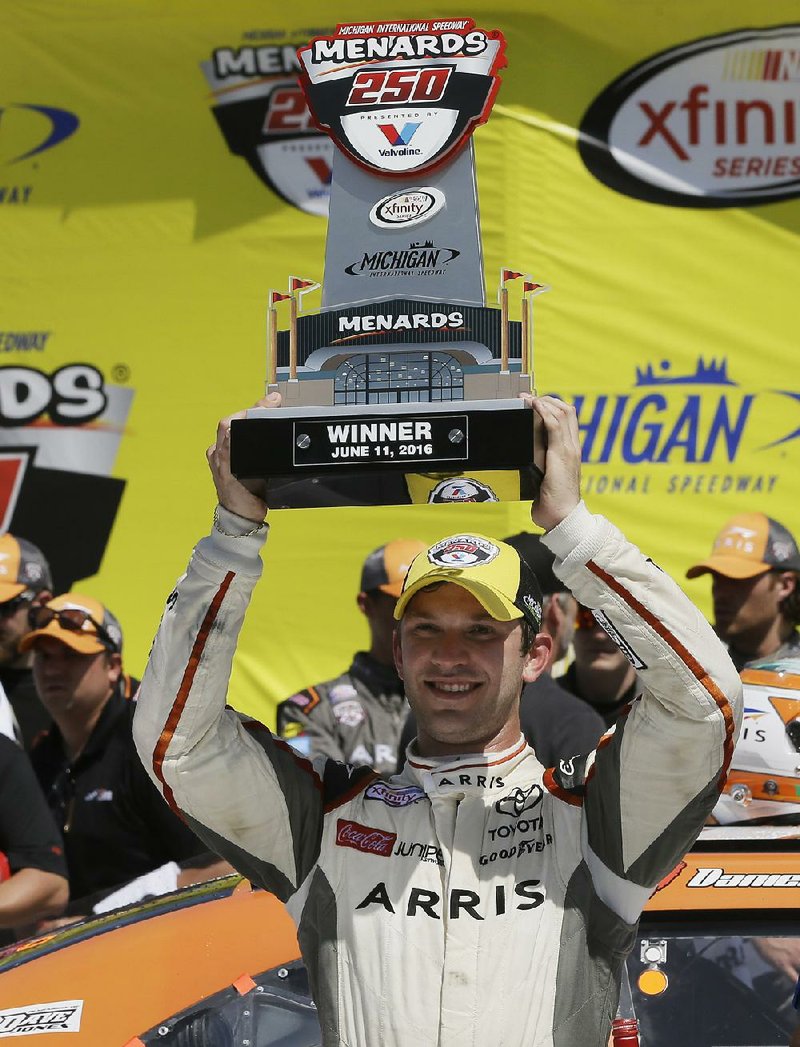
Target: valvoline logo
[(714, 122), (398, 137), (694, 431)]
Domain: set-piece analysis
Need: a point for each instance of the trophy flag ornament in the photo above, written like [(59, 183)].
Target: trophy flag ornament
[(404, 385)]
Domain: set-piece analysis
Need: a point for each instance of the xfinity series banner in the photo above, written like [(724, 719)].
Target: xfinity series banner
[(161, 172)]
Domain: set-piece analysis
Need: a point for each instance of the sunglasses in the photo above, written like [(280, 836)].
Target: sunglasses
[(71, 618), (9, 607), (584, 619)]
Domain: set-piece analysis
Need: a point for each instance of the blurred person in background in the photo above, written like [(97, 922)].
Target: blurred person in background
[(754, 567), (358, 716), (115, 824), (556, 724), (33, 872), (603, 672), (25, 582)]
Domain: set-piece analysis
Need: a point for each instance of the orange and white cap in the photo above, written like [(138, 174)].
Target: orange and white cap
[(80, 622), (22, 566), (386, 567), (748, 545)]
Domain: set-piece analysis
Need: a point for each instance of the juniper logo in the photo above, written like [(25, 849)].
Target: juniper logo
[(714, 122)]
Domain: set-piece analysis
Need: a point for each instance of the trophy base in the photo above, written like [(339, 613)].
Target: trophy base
[(386, 454)]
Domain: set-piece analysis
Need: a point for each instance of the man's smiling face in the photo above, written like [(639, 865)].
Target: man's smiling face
[(463, 671)]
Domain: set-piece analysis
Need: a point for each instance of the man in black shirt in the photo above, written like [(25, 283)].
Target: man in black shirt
[(601, 675), (115, 823), (25, 582), (33, 873), (357, 717)]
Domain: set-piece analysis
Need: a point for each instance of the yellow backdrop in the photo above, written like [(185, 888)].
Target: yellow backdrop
[(135, 241)]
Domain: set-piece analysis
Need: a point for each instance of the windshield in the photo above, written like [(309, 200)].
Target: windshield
[(716, 990)]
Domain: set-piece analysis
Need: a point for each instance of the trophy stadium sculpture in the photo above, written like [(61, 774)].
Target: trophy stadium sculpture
[(404, 385)]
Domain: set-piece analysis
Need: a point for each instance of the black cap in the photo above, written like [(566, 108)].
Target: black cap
[(540, 560)]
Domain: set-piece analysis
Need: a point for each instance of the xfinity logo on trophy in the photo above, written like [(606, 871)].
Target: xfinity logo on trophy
[(711, 123), (398, 97), (420, 259), (408, 207)]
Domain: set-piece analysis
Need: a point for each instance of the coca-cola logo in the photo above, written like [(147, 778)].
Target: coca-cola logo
[(710, 123), (364, 838)]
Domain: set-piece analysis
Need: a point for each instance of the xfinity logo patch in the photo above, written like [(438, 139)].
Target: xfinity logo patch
[(408, 207), (714, 122), (394, 797)]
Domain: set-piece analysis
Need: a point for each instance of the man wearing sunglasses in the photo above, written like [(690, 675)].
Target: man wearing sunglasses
[(25, 582), (115, 825)]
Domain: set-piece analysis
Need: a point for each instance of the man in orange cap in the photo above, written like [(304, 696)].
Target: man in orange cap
[(25, 582), (358, 717), (754, 567), (115, 824)]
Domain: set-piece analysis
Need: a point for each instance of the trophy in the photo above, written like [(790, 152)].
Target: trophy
[(404, 385)]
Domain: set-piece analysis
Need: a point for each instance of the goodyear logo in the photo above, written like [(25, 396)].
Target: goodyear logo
[(695, 432)]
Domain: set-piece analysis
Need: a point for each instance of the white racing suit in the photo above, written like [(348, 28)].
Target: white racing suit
[(475, 901)]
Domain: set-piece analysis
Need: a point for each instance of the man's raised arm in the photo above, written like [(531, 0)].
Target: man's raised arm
[(654, 778), (247, 795)]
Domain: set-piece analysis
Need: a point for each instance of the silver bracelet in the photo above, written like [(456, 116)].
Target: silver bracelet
[(229, 534)]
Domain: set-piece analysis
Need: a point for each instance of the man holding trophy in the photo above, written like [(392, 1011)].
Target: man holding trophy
[(477, 898)]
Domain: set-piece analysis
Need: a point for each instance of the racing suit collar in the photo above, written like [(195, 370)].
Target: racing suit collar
[(467, 773)]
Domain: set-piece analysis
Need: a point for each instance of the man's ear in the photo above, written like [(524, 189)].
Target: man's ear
[(362, 600), (537, 658), (114, 667), (787, 583)]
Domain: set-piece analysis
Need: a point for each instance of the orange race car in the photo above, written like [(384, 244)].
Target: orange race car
[(217, 964)]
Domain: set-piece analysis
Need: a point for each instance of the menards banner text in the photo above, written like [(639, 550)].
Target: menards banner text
[(145, 218)]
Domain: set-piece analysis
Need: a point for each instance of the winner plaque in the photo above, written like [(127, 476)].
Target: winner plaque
[(403, 386)]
